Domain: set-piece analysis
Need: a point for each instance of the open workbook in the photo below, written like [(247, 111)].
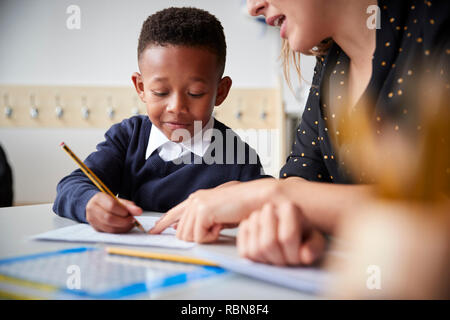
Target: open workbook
[(85, 233), (306, 279), (224, 253)]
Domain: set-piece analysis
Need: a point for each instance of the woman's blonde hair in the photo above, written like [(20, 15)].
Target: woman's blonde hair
[(287, 55)]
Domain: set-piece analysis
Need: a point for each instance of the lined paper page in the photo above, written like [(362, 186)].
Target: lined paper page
[(85, 233)]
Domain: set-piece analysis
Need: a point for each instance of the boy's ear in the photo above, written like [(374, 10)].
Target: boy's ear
[(136, 77), (223, 89)]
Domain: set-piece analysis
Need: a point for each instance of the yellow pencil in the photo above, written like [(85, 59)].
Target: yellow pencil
[(159, 256), (95, 180)]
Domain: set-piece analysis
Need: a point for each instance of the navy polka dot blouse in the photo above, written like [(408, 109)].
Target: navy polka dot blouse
[(412, 34)]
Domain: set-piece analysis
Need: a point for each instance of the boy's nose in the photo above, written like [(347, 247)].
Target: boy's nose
[(177, 104), (256, 7)]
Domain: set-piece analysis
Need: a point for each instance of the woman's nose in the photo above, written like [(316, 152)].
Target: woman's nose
[(256, 7)]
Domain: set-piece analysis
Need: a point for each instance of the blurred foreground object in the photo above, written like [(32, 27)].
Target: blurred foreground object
[(399, 243), (396, 251)]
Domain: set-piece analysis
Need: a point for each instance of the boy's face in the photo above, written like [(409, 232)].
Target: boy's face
[(179, 85)]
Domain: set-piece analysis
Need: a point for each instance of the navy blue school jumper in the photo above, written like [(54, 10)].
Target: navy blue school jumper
[(153, 184)]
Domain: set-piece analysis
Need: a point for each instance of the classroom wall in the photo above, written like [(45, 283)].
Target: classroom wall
[(39, 49)]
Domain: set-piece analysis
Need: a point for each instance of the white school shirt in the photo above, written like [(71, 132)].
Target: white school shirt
[(169, 150)]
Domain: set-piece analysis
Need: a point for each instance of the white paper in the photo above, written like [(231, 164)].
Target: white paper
[(85, 233), (305, 279)]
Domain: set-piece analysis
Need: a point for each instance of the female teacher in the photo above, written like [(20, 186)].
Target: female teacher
[(284, 221)]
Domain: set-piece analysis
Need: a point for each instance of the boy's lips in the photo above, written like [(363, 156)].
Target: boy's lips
[(176, 125)]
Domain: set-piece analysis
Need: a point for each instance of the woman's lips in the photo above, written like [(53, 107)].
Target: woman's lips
[(278, 21), (283, 29), (275, 21)]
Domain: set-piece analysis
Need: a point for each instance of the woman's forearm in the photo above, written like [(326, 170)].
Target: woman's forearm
[(323, 203), (253, 195)]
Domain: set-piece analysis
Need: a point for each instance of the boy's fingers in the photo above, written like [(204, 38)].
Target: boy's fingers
[(109, 204), (118, 221), (131, 206), (111, 229), (105, 222)]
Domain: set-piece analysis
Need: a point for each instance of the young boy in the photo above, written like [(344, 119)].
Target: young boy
[(155, 162)]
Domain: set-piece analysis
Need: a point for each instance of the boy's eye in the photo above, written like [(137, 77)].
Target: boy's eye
[(195, 95), (160, 93)]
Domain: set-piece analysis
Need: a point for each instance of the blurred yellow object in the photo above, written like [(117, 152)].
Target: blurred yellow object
[(407, 158), (399, 243), (395, 251)]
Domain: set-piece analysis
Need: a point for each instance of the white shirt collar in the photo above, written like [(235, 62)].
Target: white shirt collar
[(169, 150)]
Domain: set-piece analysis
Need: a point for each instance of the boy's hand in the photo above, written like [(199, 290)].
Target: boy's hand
[(104, 214)]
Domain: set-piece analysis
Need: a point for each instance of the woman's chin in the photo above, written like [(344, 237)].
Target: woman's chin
[(306, 50), (301, 41), (297, 46)]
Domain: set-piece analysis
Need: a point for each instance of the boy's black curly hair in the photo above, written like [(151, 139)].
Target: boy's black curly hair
[(190, 27)]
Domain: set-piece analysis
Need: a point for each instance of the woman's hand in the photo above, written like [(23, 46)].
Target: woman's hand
[(201, 217), (279, 234)]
